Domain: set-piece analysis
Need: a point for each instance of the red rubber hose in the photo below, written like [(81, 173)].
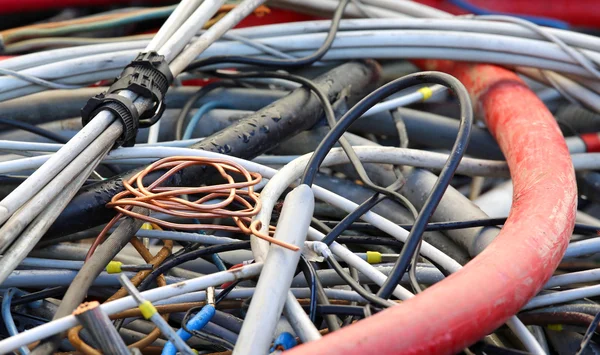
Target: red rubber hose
[(473, 302)]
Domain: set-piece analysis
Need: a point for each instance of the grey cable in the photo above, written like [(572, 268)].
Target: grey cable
[(90, 270), (38, 81)]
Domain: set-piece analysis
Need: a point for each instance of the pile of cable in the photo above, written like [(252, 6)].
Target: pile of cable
[(352, 176)]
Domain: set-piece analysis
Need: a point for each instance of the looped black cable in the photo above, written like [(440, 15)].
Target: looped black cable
[(466, 120)]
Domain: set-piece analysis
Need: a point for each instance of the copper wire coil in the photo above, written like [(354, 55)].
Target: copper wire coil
[(168, 200)]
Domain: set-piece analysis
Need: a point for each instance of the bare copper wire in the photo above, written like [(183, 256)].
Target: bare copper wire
[(168, 200)]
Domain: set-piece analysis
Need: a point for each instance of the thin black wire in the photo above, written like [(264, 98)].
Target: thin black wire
[(340, 271), (588, 334), (356, 286), (227, 290), (322, 300), (203, 335), (331, 121), (311, 278), (34, 129), (466, 119), (453, 225), (280, 63), (341, 310), (188, 256), (185, 110), (39, 295)]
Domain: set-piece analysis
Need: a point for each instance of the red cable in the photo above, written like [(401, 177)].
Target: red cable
[(473, 302)]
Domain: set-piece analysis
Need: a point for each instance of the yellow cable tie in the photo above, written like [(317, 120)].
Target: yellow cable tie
[(556, 327), (373, 257), (426, 92), (114, 267), (147, 309)]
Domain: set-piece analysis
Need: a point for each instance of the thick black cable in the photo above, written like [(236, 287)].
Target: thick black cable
[(457, 152), (280, 63), (188, 256), (377, 301), (330, 117), (34, 129)]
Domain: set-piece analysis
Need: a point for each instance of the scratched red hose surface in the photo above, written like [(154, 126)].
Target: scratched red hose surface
[(454, 314)]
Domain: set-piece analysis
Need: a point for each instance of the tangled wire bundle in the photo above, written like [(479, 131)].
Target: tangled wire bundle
[(216, 201)]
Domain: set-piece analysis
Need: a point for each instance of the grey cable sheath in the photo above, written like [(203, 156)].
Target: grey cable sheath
[(91, 269), (276, 277), (36, 229), (21, 218)]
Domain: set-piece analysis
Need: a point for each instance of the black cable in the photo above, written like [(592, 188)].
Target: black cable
[(373, 240), (453, 225), (588, 334), (203, 335), (457, 152), (341, 310), (39, 295), (185, 110), (351, 218), (330, 117), (323, 300), (356, 286), (188, 256), (280, 63), (340, 271), (34, 129), (227, 290), (311, 279)]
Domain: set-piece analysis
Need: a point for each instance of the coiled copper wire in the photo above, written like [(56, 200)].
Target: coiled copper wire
[(168, 200)]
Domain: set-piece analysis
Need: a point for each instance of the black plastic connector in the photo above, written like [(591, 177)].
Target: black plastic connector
[(149, 76)]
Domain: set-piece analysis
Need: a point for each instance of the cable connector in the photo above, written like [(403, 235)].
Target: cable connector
[(320, 248), (149, 76)]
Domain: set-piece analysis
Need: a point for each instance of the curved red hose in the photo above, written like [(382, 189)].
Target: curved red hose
[(473, 302)]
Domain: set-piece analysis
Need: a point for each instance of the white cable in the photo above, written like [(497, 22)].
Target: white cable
[(22, 217), (404, 100), (174, 21), (277, 274), (463, 46), (562, 297), (36, 229), (299, 320), (182, 36), (525, 336), (581, 248), (215, 32), (455, 24), (122, 304), (573, 278), (53, 166)]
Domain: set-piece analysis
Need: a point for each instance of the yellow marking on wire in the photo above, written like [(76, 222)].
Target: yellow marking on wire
[(426, 92)]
